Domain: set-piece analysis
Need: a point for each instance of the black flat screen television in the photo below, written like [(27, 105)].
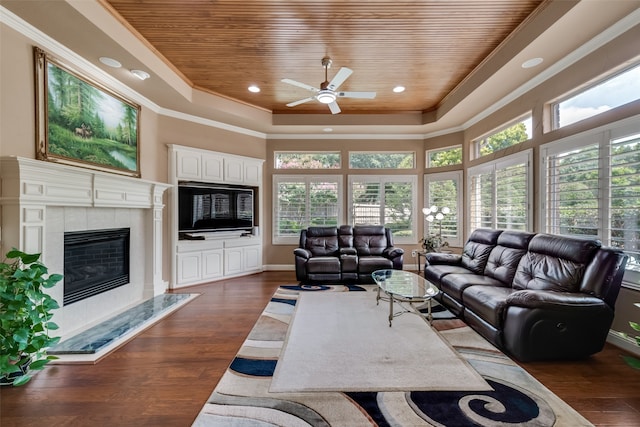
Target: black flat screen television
[(203, 207)]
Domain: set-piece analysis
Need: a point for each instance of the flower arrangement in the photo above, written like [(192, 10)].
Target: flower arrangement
[(434, 241)]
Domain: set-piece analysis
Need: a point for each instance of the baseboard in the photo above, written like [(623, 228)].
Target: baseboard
[(624, 343)]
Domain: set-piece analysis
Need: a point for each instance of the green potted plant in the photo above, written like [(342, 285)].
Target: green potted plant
[(25, 316), (634, 362)]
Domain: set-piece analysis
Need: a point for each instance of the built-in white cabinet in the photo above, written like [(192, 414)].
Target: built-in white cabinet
[(221, 254), (192, 164), (200, 261)]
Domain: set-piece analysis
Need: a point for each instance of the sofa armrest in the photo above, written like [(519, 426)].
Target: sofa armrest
[(446, 259), (553, 300), (302, 253), (392, 252), (348, 251)]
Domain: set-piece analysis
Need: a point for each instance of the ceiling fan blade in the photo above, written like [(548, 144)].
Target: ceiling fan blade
[(339, 78), (302, 101), (361, 95), (334, 108), (302, 85)]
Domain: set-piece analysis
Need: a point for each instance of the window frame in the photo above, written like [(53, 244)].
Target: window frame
[(275, 159), (307, 179), (427, 159), (413, 153), (446, 176), (554, 105), (382, 180), (475, 143)]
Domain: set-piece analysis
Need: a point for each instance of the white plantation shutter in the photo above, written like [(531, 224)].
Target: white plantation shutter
[(385, 200), (500, 193), (624, 224), (304, 201), (591, 186), (573, 190), (445, 190), (512, 197)]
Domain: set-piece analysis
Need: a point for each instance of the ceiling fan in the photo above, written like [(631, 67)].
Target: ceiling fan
[(327, 94)]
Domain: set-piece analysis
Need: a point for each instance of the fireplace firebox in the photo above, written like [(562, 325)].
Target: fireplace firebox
[(95, 261)]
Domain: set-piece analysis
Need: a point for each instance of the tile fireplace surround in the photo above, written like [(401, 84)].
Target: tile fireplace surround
[(40, 201)]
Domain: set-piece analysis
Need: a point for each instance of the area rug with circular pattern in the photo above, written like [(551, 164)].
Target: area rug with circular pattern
[(243, 396)]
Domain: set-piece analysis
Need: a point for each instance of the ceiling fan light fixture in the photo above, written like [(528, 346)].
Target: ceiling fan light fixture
[(326, 96)]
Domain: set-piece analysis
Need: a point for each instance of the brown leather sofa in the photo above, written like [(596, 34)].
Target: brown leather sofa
[(535, 296), (345, 254)]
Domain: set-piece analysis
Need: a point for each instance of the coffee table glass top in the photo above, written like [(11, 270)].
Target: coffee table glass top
[(404, 284)]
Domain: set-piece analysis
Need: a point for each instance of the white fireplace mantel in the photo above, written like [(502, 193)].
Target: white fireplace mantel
[(41, 200)]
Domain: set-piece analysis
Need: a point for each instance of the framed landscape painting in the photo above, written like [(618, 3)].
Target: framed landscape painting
[(81, 123)]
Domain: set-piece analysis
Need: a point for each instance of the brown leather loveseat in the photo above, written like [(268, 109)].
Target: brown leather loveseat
[(535, 296), (345, 254)]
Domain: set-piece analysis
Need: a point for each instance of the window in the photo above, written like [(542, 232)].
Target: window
[(591, 186), (381, 160), (385, 200), (608, 93), (307, 160), (445, 190), (304, 201), (512, 134), (500, 193), (444, 157)]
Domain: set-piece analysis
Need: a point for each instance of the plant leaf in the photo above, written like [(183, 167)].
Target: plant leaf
[(635, 326), (21, 380), (632, 361)]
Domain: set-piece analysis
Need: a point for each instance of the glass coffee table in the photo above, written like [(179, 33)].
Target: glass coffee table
[(404, 287)]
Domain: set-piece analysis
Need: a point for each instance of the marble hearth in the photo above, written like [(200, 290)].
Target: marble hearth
[(40, 201)]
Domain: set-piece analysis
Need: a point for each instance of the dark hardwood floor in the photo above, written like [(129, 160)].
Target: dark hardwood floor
[(165, 375)]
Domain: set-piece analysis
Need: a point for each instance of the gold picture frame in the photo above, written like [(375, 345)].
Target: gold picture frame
[(82, 123)]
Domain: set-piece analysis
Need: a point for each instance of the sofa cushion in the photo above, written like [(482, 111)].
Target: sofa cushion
[(487, 302), (554, 263), (323, 264), (455, 284), (477, 249), (369, 264), (435, 273), (370, 239), (322, 241)]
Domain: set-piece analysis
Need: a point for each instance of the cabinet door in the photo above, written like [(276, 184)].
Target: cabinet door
[(252, 173), (233, 261), (189, 268), (212, 264), (212, 168), (188, 165), (233, 170), (252, 258)]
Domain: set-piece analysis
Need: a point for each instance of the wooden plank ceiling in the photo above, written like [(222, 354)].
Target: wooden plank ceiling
[(223, 46)]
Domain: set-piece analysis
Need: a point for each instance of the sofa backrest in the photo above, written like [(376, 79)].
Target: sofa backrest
[(555, 263), (345, 236), (320, 241), (475, 253), (505, 256), (371, 239)]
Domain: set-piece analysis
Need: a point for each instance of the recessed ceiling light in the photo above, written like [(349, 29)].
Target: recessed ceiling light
[(254, 89), (398, 89), (530, 63), (327, 130), (110, 62), (142, 75)]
